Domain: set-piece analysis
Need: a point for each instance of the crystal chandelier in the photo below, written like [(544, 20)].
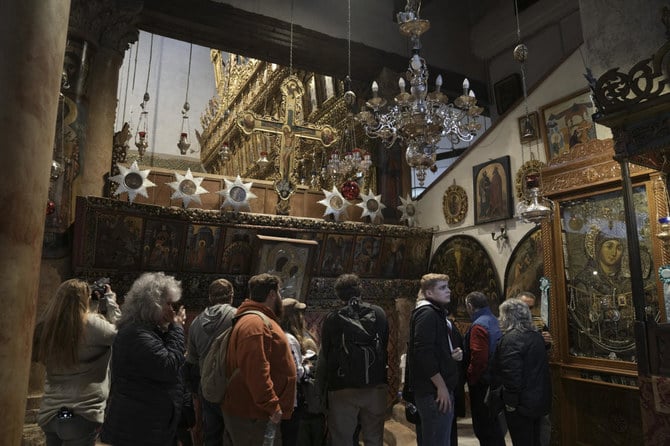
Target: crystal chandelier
[(420, 119), (349, 163), (533, 207)]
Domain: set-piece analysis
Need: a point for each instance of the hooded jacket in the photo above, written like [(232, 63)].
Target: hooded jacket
[(430, 352), (206, 326)]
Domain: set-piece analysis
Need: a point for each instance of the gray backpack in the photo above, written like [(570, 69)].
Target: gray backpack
[(213, 379)]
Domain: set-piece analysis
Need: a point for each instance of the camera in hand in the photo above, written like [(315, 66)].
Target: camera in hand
[(98, 291)]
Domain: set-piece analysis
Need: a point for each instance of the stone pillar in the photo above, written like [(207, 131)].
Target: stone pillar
[(110, 30), (32, 41)]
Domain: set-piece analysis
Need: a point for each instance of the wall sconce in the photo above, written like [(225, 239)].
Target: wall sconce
[(502, 236)]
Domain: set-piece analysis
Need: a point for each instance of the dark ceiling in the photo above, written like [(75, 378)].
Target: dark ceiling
[(217, 25)]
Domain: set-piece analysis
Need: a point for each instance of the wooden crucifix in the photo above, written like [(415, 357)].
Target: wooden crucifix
[(290, 128)]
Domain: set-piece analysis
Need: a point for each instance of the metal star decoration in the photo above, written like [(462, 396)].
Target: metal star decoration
[(335, 203), (187, 188), (237, 194), (408, 209), (372, 206), (133, 181)]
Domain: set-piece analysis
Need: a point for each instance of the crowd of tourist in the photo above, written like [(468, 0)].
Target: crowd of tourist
[(128, 375)]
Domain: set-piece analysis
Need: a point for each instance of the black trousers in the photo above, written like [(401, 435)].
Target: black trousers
[(484, 424)]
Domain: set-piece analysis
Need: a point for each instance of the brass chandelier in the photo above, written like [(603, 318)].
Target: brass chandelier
[(420, 119)]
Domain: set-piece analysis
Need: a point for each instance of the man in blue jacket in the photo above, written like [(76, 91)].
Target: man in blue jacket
[(480, 345)]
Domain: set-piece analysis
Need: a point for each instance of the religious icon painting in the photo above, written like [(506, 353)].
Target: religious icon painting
[(202, 242), (372, 206), (599, 295), (236, 195), (318, 237), (418, 253), (492, 191), (336, 257), (455, 204), (525, 267), (118, 241), (187, 188), (392, 257), (287, 258), (366, 255), (237, 251), (566, 123), (132, 181), (163, 240), (469, 268)]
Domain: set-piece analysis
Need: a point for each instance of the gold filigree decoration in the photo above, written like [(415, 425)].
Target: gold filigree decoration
[(454, 204)]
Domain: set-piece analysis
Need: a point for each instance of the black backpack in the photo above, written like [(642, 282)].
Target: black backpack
[(360, 356)]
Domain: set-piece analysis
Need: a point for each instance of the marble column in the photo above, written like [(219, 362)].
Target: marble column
[(32, 41)]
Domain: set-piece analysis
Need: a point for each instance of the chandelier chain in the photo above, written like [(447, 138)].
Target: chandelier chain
[(349, 41), (290, 57), (188, 76), (125, 97), (151, 53)]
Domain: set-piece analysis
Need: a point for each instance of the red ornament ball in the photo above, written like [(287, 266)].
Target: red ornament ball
[(51, 207), (350, 190)]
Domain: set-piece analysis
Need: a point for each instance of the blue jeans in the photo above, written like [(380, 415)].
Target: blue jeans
[(75, 431), (435, 425)]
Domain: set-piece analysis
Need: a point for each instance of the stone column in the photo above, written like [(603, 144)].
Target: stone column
[(110, 30), (32, 41)]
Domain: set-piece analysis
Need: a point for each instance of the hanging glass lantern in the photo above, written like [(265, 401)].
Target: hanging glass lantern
[(184, 144), (224, 152), (421, 157), (142, 135), (263, 160)]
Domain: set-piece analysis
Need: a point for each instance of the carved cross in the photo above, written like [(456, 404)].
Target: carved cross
[(290, 128)]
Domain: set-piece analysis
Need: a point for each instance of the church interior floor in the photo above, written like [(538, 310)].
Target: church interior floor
[(400, 434)]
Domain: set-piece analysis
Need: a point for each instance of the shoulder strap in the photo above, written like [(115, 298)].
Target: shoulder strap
[(262, 315)]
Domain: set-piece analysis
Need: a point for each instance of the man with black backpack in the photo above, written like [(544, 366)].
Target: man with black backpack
[(209, 324), (352, 366)]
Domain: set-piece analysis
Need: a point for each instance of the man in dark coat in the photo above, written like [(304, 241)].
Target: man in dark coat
[(433, 362)]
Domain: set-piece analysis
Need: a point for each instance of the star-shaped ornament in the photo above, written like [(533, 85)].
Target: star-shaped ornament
[(335, 203), (237, 194), (187, 188), (372, 206), (408, 209), (133, 180)]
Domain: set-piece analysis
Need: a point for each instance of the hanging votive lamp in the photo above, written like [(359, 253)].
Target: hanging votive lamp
[(142, 135), (535, 207), (224, 152), (184, 144), (263, 160)]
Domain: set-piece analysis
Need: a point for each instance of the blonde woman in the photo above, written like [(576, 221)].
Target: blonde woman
[(75, 346)]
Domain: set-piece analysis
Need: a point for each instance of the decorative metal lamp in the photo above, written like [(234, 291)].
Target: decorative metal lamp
[(184, 143), (533, 207), (142, 134), (420, 119)]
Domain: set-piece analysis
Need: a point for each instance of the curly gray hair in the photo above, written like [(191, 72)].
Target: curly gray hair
[(514, 313), (147, 296)]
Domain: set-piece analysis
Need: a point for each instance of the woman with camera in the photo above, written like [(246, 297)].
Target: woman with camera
[(74, 343), (147, 395)]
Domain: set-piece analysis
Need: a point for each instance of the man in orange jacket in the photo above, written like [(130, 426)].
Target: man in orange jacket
[(263, 387)]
